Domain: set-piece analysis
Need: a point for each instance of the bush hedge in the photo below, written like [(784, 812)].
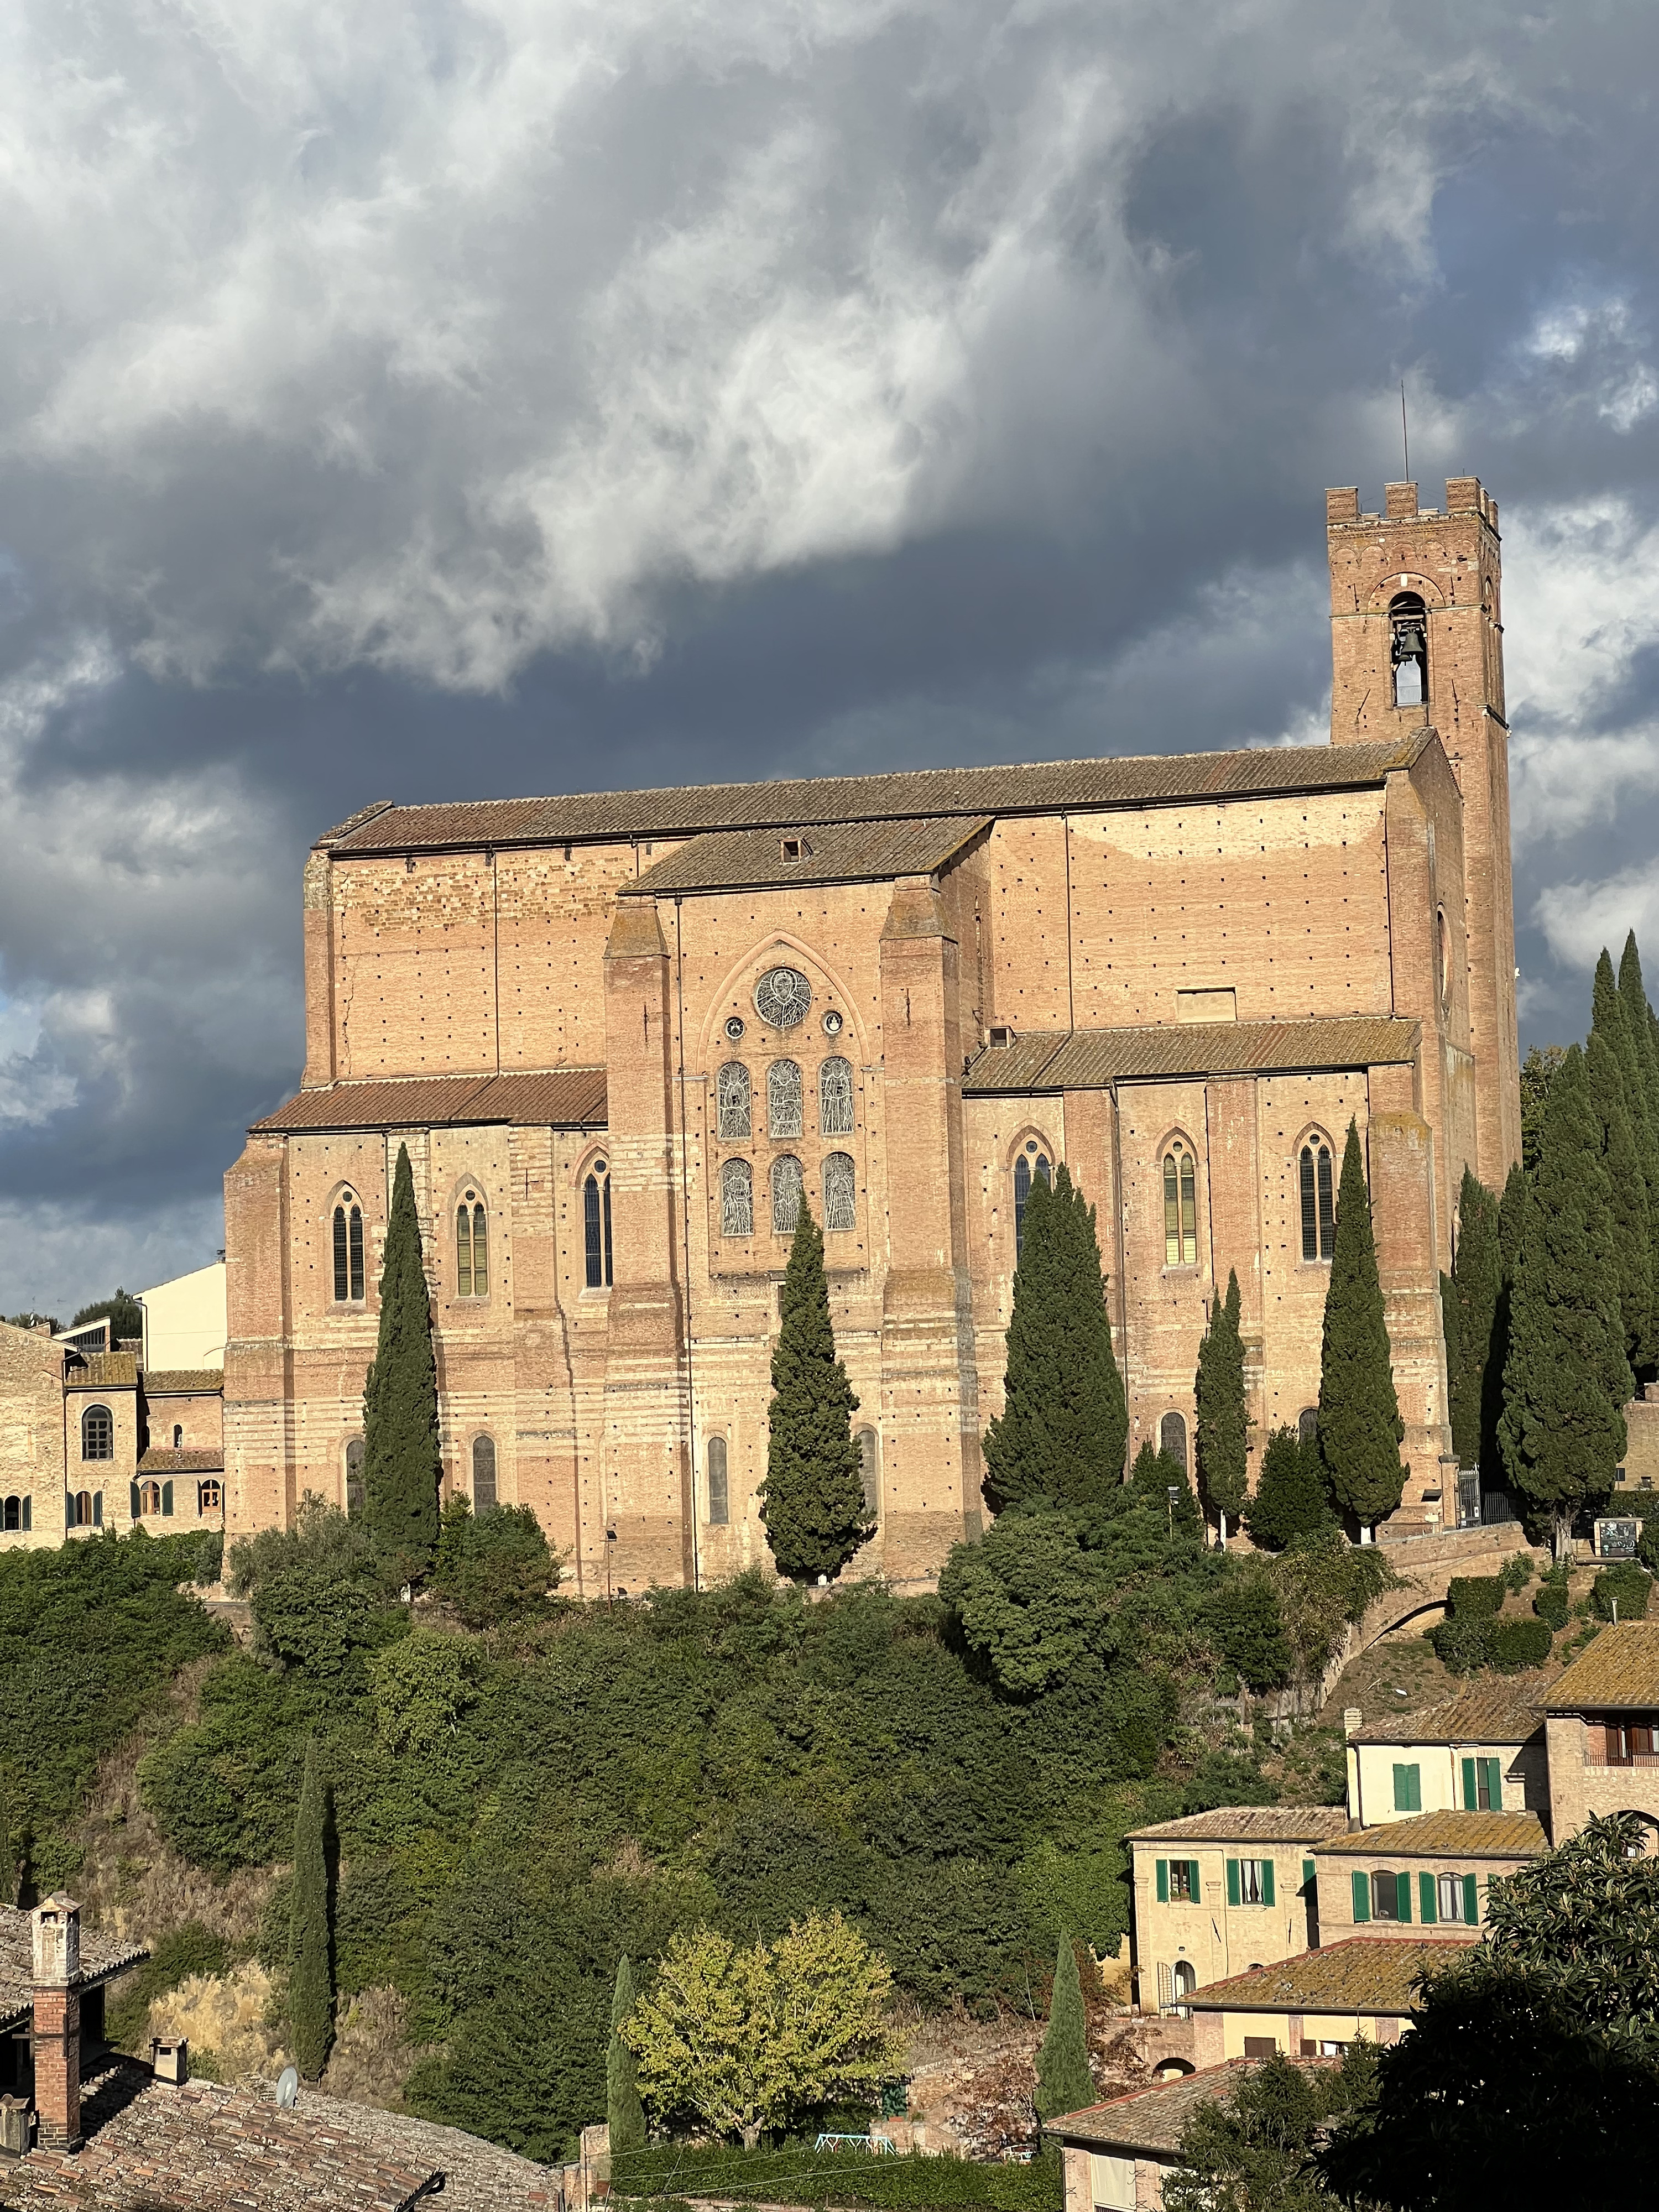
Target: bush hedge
[(1473, 1596), (802, 2175), (1461, 1642), (1517, 1643), (1550, 1601), (1626, 1585)]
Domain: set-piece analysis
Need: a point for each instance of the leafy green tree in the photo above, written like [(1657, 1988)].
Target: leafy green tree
[(813, 1499), (624, 2111), (311, 1930), (1254, 2149), (319, 1595), (1532, 2071), (423, 1687), (1566, 1379), (31, 1319), (1153, 1477), (1248, 1623), (401, 1464), (126, 1315), (1061, 1435), (1223, 1421), (1290, 1497), (749, 2041), (1064, 2081), (1359, 1424), (1627, 1256), (493, 1567), (1030, 1599), (1470, 1294)]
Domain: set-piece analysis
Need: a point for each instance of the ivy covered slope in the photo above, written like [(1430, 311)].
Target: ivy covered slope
[(520, 1807)]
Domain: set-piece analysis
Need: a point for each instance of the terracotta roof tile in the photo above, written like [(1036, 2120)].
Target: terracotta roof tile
[(553, 1097), (191, 1459), (1153, 2120), (1033, 788), (1447, 1834), (1621, 1668), (103, 1370), (183, 1382), (101, 1957), (1087, 1059), (833, 852), (1249, 1824), (1491, 1712), (1364, 1974)]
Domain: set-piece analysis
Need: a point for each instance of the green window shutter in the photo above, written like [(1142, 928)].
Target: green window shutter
[(1494, 1783), (1232, 1881), (1407, 1796), (166, 1500), (1402, 1884), (1471, 1800), (1471, 1902), (1195, 1888), (1428, 1912), (1267, 1881), (1164, 1881), (135, 1500), (1416, 1785), (1362, 1897), (1308, 1873)]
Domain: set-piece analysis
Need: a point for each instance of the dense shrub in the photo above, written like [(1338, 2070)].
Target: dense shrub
[(1292, 1498), (1516, 1643), (1518, 1572), (1249, 1626), (1550, 1601), (1473, 1596), (1463, 1642), (1623, 1588), (799, 2176), (493, 1567)]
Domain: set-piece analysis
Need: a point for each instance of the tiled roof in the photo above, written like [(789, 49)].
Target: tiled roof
[(183, 1382), (1365, 1973), (101, 1957), (192, 1458), (103, 1370), (1032, 787), (1153, 2120), (1621, 1668), (554, 1098), (1448, 1835), (203, 2148), (1490, 1713), (1086, 1060), (1249, 1824), (836, 853)]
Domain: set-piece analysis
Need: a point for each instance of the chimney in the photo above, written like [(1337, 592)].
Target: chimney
[(55, 1927), (169, 2058)]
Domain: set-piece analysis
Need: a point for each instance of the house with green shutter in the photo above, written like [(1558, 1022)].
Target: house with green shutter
[(1314, 2006), (1482, 1751), (1217, 1892), (1430, 1874)]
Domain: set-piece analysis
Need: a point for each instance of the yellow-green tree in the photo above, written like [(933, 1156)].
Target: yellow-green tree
[(748, 2040)]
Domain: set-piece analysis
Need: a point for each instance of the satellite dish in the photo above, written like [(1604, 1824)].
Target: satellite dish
[(287, 2086)]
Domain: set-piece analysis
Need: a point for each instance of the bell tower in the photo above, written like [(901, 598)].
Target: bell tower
[(1417, 638)]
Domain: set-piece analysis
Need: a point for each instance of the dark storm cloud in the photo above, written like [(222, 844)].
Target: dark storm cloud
[(480, 398)]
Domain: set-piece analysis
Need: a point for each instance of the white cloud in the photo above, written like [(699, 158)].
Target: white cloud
[(1578, 919)]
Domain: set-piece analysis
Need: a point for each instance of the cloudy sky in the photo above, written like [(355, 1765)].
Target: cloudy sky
[(430, 399)]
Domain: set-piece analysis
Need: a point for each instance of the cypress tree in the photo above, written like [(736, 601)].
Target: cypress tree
[(1470, 1297), (1292, 1498), (401, 1467), (1566, 1378), (1627, 1255), (1060, 1437), (1359, 1424), (1223, 1425), (812, 1498), (1064, 2081), (1645, 1120), (311, 1936), (624, 2111)]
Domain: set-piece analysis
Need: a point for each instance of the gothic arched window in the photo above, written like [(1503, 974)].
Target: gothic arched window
[(14, 1515), (783, 1099), (719, 1498), (731, 1097), (596, 1225), (97, 1433), (841, 1206), (870, 1468), (86, 1510), (1306, 1425), (484, 1474), (471, 1247), (354, 1477), (1318, 1220), (1408, 630), (1179, 1207), (348, 1250), (737, 1199), (786, 1188), (1031, 1163), (1172, 1439), (835, 1097)]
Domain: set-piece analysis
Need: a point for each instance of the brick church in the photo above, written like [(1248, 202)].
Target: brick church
[(626, 1035)]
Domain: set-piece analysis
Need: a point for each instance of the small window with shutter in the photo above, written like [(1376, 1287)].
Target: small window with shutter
[(1408, 1789)]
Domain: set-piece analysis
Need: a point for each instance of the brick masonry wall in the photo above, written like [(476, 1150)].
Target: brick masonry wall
[(32, 1435)]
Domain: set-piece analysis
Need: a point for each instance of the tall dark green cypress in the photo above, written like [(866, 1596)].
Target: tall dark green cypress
[(1359, 1424), (1566, 1379), (401, 1465), (812, 1498), (1064, 2081), (1291, 1495), (1060, 1437), (1628, 1255), (1470, 1295), (311, 1936), (1223, 1421), (1645, 1118), (624, 2113)]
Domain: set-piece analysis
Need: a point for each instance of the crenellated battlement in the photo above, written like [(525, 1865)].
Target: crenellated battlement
[(1465, 495)]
